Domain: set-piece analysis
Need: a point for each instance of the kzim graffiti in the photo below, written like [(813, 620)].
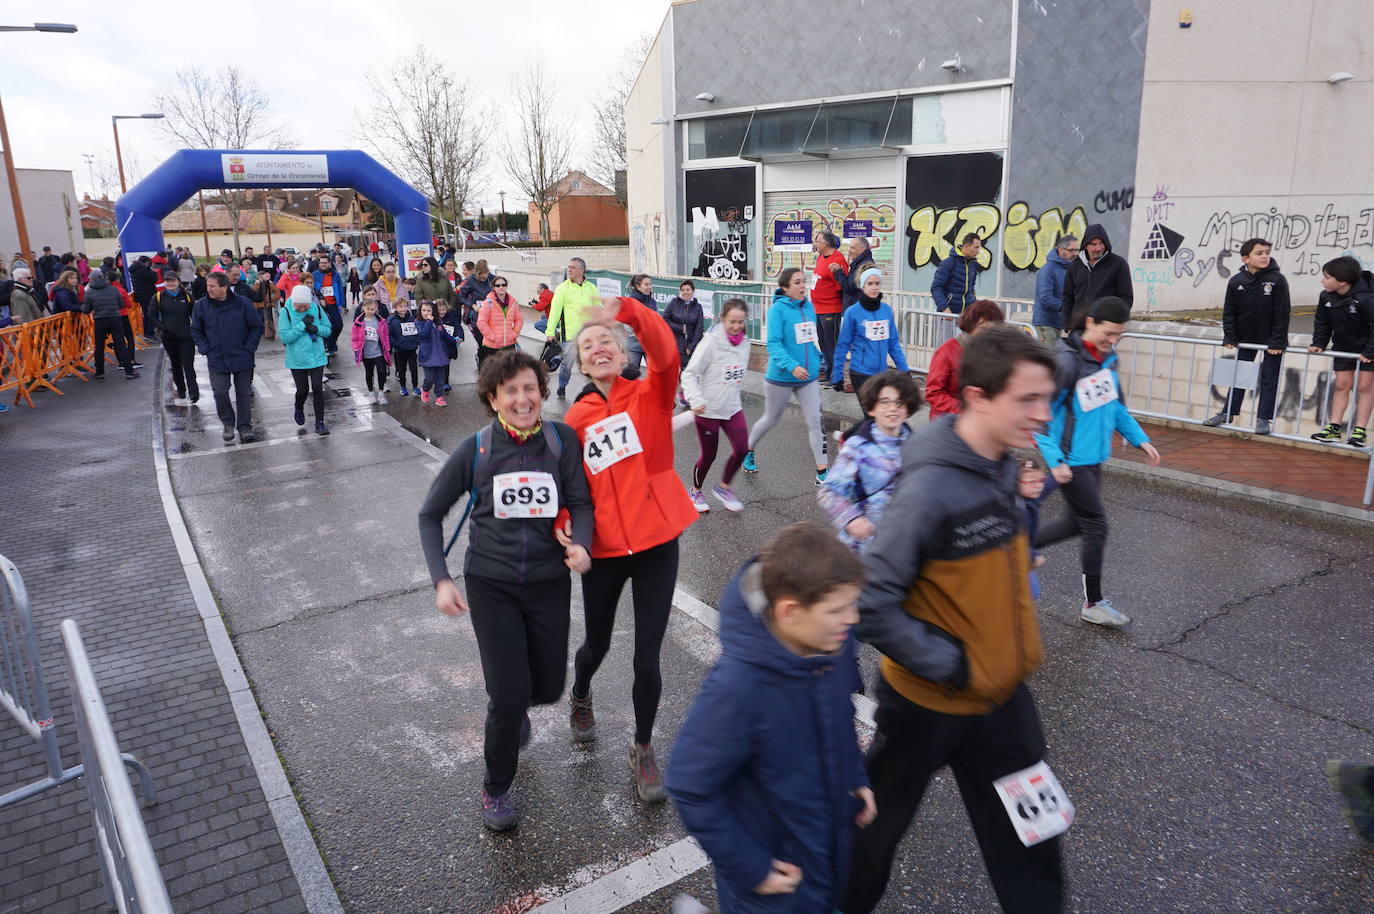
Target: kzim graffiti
[(1026, 239)]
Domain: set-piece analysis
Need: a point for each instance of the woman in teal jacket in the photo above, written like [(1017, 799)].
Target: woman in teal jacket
[(303, 328), (794, 360), (1087, 411)]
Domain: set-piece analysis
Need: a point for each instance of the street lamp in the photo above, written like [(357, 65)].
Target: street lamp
[(5, 136), (119, 157)]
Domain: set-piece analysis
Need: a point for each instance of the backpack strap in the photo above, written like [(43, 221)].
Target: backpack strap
[(554, 439), (481, 458)]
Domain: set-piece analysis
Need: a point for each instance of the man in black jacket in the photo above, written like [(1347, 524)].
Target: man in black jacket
[(1256, 311), (1095, 273), (145, 284), (227, 329), (103, 303), (860, 258)]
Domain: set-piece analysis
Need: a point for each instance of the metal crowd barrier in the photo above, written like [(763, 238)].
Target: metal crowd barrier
[(133, 882)]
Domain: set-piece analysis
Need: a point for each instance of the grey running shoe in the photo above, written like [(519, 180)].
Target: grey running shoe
[(647, 779), (1263, 427), (1219, 419), (583, 720), (1104, 613)]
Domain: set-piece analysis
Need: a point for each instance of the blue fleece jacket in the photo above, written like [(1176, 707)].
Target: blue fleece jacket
[(396, 330), (766, 761), (953, 286), (857, 331), (784, 352), (1049, 292), (1078, 436)]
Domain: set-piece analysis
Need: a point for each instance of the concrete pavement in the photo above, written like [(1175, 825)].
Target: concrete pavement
[(1192, 743)]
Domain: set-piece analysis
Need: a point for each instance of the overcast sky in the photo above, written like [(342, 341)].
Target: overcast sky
[(59, 91)]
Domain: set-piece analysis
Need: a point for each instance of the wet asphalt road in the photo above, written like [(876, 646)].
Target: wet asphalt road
[(1192, 743)]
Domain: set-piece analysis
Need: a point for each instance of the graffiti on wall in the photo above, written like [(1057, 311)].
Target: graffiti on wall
[(1173, 259), (1027, 239), (1112, 201), (830, 213), (721, 242)]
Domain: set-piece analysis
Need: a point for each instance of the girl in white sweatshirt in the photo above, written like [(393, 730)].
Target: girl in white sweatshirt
[(711, 383)]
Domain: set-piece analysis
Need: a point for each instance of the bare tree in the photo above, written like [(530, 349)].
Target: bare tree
[(609, 154), (430, 130), (220, 110), (540, 156)]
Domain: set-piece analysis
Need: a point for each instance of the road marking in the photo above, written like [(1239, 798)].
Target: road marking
[(630, 883)]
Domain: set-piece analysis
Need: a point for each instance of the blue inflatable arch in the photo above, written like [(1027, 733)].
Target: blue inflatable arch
[(139, 213)]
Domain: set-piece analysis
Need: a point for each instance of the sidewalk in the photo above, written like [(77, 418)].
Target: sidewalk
[(84, 523)]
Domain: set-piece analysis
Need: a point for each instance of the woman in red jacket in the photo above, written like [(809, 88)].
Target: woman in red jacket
[(625, 427), (942, 381)]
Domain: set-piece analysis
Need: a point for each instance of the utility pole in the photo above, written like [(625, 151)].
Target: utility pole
[(19, 222), (502, 195)]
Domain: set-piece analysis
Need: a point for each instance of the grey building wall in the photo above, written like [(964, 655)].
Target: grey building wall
[(775, 51), (1076, 117)]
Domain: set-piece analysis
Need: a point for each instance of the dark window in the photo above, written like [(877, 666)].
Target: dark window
[(716, 137)]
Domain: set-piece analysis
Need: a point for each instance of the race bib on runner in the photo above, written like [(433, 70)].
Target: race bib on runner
[(327, 291), (1096, 390), (877, 330), (806, 331), (1037, 806), (734, 374), (610, 441), (524, 495), (815, 279), (447, 329), (369, 333), (408, 328)]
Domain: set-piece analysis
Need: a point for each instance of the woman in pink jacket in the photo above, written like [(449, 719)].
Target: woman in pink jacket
[(372, 347), (499, 320)]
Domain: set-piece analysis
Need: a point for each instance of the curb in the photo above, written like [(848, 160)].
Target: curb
[(302, 854)]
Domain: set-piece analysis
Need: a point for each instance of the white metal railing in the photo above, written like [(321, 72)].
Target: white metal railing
[(133, 882)]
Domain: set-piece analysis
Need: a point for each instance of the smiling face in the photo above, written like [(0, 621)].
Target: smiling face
[(889, 412), (1103, 335), (389, 272), (518, 400), (599, 353), (426, 311), (734, 321), (1016, 415)]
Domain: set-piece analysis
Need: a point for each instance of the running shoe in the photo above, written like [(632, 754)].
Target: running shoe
[(440, 401), (1358, 437), (583, 720), (750, 466), (699, 501), (1332, 432), (727, 498), (448, 387), (372, 396), (820, 475), (1352, 782), (562, 393), (424, 396), (498, 813), (228, 433), (1220, 418), (1104, 613), (647, 779), (299, 416), (405, 392), (320, 428), (1263, 427)]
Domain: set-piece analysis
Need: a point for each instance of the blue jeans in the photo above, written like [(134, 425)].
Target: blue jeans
[(565, 370)]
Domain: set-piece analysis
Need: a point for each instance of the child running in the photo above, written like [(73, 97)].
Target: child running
[(767, 774), (862, 481), (437, 348), (519, 472), (794, 360), (868, 335), (447, 319), (711, 383), (405, 345), (372, 347)]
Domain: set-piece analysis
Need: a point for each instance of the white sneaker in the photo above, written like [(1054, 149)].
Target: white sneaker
[(372, 397), (1104, 613)]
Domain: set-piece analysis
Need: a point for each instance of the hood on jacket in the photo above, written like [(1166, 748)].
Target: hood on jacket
[(745, 636), (781, 296), (1093, 231), (940, 445), (1054, 257)]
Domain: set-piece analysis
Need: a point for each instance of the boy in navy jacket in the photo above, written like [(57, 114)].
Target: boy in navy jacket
[(766, 773)]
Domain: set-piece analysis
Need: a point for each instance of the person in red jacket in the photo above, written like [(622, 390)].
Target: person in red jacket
[(942, 381), (827, 281), (625, 428)]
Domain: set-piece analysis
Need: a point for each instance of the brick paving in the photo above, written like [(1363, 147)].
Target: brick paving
[(85, 526), (1324, 475)]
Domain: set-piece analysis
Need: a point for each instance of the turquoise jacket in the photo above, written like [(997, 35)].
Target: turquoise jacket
[(1082, 436), (302, 349), (784, 352)]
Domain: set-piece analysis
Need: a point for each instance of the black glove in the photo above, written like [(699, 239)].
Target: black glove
[(310, 328)]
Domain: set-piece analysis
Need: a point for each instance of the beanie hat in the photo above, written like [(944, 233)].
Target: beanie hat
[(227, 252), (300, 295), (871, 271)]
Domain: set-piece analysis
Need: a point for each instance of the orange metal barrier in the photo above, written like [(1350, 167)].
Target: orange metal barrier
[(39, 353)]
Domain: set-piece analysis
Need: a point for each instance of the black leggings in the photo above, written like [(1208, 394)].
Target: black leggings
[(375, 366), (181, 353), (1085, 515), (310, 381), (522, 635), (652, 575), (407, 358)]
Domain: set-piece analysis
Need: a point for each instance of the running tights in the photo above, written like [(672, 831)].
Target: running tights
[(310, 382), (652, 575), (407, 358), (708, 435), (775, 400), (1085, 516), (377, 366)]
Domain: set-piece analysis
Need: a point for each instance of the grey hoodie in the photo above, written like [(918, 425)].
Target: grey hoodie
[(102, 299)]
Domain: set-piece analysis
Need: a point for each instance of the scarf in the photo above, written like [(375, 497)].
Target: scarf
[(734, 338), (870, 304), (518, 434)]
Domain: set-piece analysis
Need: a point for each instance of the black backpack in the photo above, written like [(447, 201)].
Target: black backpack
[(6, 290)]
